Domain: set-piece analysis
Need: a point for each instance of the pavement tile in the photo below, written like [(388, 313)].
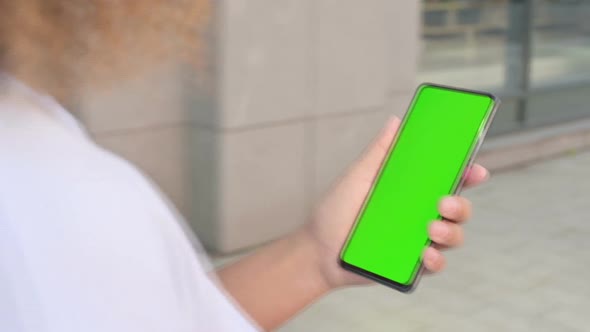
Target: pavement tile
[(525, 265)]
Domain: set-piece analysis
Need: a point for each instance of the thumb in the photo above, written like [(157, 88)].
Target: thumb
[(368, 165)]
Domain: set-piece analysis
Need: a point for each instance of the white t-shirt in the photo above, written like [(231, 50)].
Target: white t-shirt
[(86, 242)]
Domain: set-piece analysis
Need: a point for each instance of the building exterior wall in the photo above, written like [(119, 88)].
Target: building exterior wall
[(296, 89), (303, 86)]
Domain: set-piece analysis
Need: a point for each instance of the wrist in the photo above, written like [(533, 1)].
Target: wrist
[(278, 280), (320, 263)]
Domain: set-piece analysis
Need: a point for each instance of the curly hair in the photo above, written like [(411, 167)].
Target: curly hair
[(58, 45)]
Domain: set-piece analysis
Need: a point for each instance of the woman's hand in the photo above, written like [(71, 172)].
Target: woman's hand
[(335, 216), (282, 278)]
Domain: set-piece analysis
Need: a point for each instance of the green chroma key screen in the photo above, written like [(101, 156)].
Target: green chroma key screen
[(426, 163)]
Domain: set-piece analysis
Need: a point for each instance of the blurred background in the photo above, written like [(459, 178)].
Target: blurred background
[(293, 90)]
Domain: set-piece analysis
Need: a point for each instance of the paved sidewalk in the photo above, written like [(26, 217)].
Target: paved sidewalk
[(525, 266)]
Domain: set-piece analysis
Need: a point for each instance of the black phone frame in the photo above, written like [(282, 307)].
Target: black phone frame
[(408, 288)]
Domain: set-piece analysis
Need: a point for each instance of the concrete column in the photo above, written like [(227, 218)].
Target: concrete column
[(302, 87)]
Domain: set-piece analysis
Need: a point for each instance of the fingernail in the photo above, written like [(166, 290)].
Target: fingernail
[(439, 230), (393, 118), (392, 122), (430, 256), (449, 203), (468, 172)]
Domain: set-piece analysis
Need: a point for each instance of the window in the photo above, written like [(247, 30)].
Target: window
[(534, 54)]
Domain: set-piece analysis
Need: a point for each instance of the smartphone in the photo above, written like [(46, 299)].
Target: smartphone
[(435, 144)]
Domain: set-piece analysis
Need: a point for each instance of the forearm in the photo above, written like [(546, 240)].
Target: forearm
[(277, 281)]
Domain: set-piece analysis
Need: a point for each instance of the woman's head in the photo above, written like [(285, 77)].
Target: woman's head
[(58, 45)]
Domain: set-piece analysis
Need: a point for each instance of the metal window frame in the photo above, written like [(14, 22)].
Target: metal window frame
[(518, 66), (518, 87)]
